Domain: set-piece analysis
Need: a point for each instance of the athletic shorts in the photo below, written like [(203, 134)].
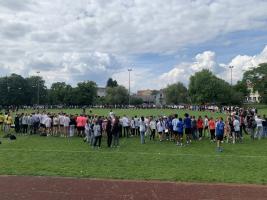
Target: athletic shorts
[(42, 126), (212, 131), (219, 137), (180, 133), (175, 132), (80, 128), (159, 133), (187, 131)]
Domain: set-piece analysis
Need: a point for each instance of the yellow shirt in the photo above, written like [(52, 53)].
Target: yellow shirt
[(2, 118), (9, 120)]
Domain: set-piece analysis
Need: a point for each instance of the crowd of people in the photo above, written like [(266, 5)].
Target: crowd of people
[(182, 130)]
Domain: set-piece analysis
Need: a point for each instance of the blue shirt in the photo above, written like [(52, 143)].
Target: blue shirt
[(220, 128), (180, 127), (187, 122)]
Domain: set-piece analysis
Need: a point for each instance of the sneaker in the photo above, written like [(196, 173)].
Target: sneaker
[(178, 144)]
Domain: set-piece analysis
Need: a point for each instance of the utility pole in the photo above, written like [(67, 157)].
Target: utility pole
[(231, 68), (129, 70), (38, 89)]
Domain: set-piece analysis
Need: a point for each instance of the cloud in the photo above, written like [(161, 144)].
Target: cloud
[(207, 60), (93, 39)]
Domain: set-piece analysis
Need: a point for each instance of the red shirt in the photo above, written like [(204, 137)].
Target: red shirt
[(199, 123), (212, 124)]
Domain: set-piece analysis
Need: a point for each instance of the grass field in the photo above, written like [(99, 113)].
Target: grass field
[(132, 112), (199, 162)]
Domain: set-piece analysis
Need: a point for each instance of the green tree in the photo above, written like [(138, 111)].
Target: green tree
[(116, 95), (136, 100), (33, 83), (112, 83), (204, 87), (86, 93), (176, 93), (258, 78)]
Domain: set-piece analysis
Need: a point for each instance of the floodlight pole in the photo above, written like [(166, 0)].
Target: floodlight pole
[(38, 89), (129, 70), (231, 68)]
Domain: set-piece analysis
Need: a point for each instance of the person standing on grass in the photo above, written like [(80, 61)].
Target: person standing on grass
[(66, 125), (180, 132), (132, 127), (109, 133), (219, 134), (187, 124), (194, 128), (115, 132), (152, 126), (2, 118), (142, 130), (200, 127), (264, 125), (212, 129), (259, 128), (206, 126), (174, 127), (48, 124), (55, 125), (160, 129), (72, 125), (24, 123), (236, 133), (97, 134), (125, 125), (136, 123), (61, 124)]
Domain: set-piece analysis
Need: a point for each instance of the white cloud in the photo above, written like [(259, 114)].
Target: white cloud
[(207, 60), (85, 39)]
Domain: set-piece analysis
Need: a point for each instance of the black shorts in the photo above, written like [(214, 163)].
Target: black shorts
[(187, 131), (80, 128), (159, 133), (219, 137), (175, 132), (212, 131), (42, 126), (180, 133)]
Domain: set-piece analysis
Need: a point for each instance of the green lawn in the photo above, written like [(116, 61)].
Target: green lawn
[(35, 155), (132, 112), (199, 162)]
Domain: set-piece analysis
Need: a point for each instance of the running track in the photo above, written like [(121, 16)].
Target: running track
[(44, 188)]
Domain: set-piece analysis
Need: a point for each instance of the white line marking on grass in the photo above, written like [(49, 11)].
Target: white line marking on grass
[(136, 153)]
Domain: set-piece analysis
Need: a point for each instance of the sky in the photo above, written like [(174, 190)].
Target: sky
[(163, 42)]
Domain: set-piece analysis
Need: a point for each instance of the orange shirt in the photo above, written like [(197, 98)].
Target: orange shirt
[(212, 124)]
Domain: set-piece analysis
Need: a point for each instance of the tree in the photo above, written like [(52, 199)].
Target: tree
[(204, 87), (176, 93), (59, 93), (136, 100), (116, 95), (33, 83), (112, 83), (86, 93), (258, 78)]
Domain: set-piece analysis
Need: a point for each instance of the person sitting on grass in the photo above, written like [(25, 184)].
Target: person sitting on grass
[(219, 134)]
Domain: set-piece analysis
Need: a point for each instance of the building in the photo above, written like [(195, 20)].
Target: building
[(101, 92), (156, 97), (254, 96), (160, 99)]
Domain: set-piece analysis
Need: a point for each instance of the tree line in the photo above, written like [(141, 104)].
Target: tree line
[(204, 88)]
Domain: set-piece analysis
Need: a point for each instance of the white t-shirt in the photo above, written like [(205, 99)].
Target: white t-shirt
[(66, 121), (152, 125), (48, 122), (160, 126), (142, 126), (125, 122), (55, 121), (174, 124), (61, 119), (236, 125), (258, 122)]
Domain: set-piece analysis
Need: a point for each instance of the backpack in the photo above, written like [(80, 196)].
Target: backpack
[(12, 137)]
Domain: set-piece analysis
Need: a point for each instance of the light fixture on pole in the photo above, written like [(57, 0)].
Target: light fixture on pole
[(231, 68), (129, 70)]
